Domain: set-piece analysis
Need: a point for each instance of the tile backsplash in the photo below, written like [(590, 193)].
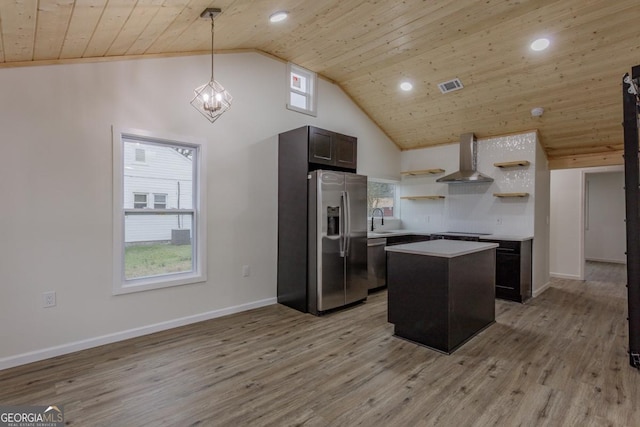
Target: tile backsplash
[(472, 207)]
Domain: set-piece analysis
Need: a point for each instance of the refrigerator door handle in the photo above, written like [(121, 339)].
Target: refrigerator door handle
[(343, 204), (348, 223)]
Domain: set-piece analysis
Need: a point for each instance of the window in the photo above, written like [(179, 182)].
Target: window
[(381, 195), (141, 155), (159, 201), (139, 200), (163, 246), (301, 89)]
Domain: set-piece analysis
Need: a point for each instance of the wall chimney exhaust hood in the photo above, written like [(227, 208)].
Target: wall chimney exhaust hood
[(468, 172)]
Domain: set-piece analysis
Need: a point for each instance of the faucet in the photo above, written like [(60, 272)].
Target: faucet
[(373, 213)]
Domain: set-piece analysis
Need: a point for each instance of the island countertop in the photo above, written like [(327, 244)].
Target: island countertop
[(442, 248)]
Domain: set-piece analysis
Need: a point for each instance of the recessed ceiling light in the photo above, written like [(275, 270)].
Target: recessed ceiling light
[(540, 44), (406, 86), (279, 16), (537, 111)]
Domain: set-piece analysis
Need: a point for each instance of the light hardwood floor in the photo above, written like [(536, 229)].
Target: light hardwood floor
[(559, 360)]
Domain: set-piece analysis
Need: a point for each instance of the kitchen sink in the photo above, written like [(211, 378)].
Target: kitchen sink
[(382, 232)]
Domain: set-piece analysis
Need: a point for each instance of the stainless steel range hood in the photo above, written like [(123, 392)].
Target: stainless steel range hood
[(468, 172)]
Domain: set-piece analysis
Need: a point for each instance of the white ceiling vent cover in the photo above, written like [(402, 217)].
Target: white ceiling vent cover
[(450, 86)]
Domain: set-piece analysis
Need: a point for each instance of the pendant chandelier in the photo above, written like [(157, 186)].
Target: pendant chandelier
[(211, 99)]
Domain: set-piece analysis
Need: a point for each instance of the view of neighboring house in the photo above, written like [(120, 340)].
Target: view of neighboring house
[(381, 195), (156, 177)]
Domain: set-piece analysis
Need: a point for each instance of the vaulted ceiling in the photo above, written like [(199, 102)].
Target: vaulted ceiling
[(370, 47)]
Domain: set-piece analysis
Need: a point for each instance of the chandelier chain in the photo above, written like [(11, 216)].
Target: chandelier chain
[(212, 47)]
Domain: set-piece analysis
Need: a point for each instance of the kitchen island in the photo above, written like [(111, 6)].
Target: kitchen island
[(441, 293)]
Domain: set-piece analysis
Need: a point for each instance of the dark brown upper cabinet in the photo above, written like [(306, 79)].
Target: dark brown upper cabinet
[(332, 149)]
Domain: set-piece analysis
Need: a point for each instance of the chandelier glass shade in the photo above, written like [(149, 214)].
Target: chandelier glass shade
[(211, 99)]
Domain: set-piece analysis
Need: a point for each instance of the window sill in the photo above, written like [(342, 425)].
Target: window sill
[(302, 110), (158, 282)]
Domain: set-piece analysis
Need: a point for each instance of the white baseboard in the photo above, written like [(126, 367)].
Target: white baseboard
[(565, 276), (46, 353), (541, 289)]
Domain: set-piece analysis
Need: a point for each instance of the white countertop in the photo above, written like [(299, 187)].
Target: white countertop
[(390, 233), (442, 248), (510, 237)]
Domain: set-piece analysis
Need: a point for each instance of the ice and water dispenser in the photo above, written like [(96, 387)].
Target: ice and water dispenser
[(333, 220)]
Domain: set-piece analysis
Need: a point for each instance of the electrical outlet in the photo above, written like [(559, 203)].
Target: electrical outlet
[(498, 221), (246, 271), (49, 299)]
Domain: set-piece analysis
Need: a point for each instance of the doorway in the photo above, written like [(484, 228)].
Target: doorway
[(604, 212), (569, 216), (604, 227)]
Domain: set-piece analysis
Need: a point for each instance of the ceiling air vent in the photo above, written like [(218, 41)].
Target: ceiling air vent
[(450, 85)]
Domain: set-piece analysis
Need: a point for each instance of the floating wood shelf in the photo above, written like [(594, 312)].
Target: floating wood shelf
[(422, 172), (512, 164), (511, 194), (422, 197)]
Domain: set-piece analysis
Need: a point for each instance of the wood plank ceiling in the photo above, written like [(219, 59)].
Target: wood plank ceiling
[(369, 47)]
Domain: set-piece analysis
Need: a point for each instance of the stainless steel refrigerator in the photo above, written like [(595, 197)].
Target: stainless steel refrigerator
[(337, 239)]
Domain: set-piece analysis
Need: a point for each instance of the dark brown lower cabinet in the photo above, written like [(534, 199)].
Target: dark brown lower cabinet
[(513, 270), (440, 302)]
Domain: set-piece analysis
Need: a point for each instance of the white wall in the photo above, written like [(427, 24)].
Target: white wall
[(427, 215), (566, 238), (55, 187), (605, 231), (566, 247), (541, 223)]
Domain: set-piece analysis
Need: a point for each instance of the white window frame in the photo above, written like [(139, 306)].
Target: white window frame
[(146, 199), (310, 94), (396, 195), (198, 274), (166, 198)]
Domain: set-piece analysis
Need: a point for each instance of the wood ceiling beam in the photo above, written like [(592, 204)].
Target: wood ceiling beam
[(612, 158)]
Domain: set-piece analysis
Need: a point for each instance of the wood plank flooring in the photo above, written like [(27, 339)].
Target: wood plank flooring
[(560, 360)]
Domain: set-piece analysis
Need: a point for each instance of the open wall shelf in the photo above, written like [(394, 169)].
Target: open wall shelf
[(422, 172), (422, 197), (512, 164), (511, 195)]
